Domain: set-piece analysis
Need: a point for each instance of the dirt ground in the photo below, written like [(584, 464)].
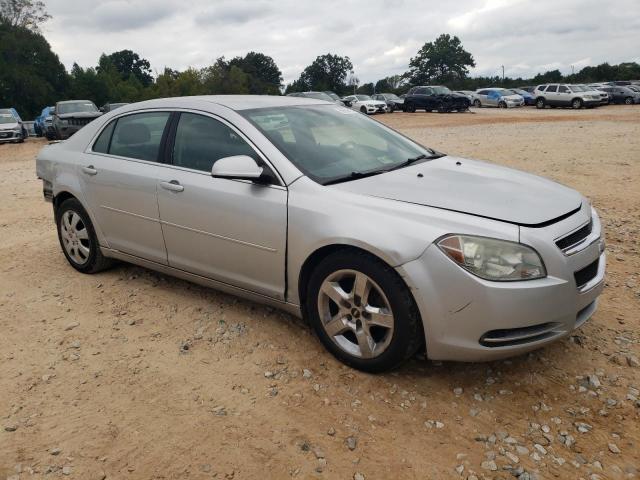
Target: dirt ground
[(129, 374)]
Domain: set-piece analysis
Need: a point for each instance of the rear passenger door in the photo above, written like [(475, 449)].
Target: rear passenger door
[(551, 95), (233, 231), (119, 174), (564, 95)]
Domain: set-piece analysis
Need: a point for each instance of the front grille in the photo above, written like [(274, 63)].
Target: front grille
[(575, 237), (80, 122), (517, 336), (586, 274), (6, 134)]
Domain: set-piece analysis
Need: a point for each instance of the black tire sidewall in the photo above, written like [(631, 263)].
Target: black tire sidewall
[(74, 205), (408, 333)]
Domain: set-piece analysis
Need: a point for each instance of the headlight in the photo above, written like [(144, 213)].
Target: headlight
[(492, 259)]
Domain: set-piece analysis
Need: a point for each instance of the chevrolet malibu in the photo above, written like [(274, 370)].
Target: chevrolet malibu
[(387, 247)]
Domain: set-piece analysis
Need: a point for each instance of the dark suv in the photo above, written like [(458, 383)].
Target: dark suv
[(622, 94), (429, 98)]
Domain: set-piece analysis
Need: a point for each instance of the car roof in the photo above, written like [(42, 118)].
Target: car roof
[(233, 102), (75, 101)]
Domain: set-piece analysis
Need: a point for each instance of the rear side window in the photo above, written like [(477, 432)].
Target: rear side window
[(563, 89), (483, 92), (102, 143), (420, 91), (201, 141), (552, 88), (541, 88), (139, 135)]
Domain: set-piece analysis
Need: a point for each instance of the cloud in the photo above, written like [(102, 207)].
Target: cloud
[(526, 36)]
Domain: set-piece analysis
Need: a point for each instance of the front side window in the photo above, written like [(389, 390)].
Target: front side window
[(328, 143), (139, 135), (201, 141)]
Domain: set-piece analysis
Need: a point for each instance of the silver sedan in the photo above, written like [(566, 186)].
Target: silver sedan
[(385, 246)]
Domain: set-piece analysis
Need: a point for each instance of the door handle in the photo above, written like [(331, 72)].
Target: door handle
[(172, 186), (90, 170)]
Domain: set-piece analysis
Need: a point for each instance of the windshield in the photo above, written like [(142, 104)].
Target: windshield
[(318, 96), (440, 90), (391, 96), (333, 95), (75, 107), (7, 118), (579, 88), (331, 142), (363, 98)]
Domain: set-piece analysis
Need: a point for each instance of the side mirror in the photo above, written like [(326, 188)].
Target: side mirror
[(53, 111), (237, 167)]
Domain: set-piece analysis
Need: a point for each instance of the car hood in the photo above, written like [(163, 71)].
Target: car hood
[(9, 126), (64, 116), (473, 187)]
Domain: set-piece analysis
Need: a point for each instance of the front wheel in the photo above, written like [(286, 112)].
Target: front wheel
[(78, 238), (540, 104), (628, 101), (502, 105), (363, 110), (477, 103), (576, 104), (410, 108), (363, 312)]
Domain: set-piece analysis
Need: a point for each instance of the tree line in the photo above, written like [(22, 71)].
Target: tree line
[(32, 76)]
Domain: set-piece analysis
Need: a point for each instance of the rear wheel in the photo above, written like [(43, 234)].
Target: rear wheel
[(540, 103), (363, 312), (78, 238)]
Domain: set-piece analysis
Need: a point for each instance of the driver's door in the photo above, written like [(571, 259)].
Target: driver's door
[(233, 231)]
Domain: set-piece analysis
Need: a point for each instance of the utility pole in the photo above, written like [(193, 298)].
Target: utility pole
[(572, 71), (502, 73)]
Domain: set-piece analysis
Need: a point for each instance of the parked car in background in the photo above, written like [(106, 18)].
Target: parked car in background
[(385, 246), (107, 107), (334, 96), (365, 104), (528, 88), (11, 128), (529, 98), (467, 93), (435, 97), (71, 115), (565, 95), (621, 94), (393, 101), (44, 123), (29, 126), (497, 97), (318, 96)]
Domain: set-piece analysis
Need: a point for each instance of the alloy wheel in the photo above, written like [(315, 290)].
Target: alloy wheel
[(355, 313), (75, 237)]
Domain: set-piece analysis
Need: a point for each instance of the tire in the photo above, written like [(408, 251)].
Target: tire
[(576, 104), (391, 346), (477, 103), (540, 103), (410, 108), (363, 110), (628, 101), (88, 259), (502, 105)]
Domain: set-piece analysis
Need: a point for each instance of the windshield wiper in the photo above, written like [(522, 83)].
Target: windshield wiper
[(411, 160), (353, 176)]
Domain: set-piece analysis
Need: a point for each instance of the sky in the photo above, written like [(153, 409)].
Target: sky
[(380, 37)]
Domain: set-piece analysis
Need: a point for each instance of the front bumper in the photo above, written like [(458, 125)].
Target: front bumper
[(10, 136), (467, 318)]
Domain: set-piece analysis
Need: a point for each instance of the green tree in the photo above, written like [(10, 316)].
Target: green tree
[(441, 61), (264, 75), (24, 13), (127, 63), (31, 75), (327, 72), (223, 78)]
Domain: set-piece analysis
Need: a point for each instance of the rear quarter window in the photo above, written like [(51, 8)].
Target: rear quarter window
[(101, 145)]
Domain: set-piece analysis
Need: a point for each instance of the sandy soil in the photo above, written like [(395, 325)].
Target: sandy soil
[(96, 382)]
